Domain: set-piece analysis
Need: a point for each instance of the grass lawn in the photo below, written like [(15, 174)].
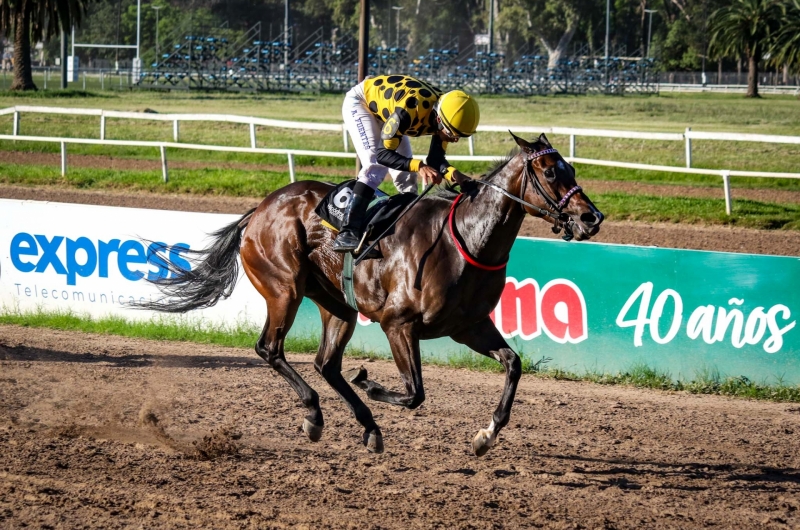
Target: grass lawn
[(772, 114), (670, 112), (256, 183)]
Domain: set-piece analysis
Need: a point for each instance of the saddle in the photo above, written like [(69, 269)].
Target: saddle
[(381, 212)]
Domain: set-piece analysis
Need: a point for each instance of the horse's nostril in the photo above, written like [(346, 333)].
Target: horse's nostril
[(592, 219)]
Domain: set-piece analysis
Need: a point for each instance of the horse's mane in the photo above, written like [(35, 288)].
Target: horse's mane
[(497, 166)]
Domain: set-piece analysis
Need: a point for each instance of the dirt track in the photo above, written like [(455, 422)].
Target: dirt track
[(110, 432), (98, 432)]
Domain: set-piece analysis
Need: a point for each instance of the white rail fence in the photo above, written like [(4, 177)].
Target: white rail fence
[(253, 123), (728, 89)]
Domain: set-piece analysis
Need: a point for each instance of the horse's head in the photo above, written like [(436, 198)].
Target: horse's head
[(549, 183)]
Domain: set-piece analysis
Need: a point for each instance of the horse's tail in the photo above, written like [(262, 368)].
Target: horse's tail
[(211, 276)]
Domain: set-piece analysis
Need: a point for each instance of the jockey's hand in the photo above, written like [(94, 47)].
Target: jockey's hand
[(429, 175)]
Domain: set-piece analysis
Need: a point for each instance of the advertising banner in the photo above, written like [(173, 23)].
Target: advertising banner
[(94, 259), (587, 306)]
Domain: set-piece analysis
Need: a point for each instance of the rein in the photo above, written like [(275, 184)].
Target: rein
[(560, 220)]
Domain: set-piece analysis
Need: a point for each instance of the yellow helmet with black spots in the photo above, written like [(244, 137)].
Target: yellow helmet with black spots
[(459, 113)]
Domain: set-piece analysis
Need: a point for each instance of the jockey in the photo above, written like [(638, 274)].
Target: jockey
[(380, 114)]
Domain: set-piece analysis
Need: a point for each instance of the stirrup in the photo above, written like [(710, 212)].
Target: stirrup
[(346, 241)]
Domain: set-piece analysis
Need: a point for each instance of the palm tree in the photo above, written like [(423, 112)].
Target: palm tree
[(786, 48), (34, 20), (746, 27)]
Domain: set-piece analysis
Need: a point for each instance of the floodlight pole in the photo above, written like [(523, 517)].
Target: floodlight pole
[(138, 25), (397, 36), (608, 26), (363, 41), (649, 27), (286, 39), (158, 55), (363, 52), (63, 58), (491, 26)]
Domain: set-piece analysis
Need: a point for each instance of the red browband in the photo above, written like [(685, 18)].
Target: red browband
[(467, 257)]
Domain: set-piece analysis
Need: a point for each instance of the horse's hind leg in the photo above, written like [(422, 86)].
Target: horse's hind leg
[(283, 300), (486, 340), (336, 333)]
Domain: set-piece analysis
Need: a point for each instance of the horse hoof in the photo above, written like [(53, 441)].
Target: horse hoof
[(482, 442), (355, 375), (374, 442), (314, 432)]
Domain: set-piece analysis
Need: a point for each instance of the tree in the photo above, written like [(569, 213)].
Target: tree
[(35, 20), (746, 27), (553, 23), (786, 47)]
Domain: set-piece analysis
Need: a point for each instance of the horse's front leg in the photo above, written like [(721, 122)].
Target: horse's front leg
[(404, 343), (485, 339)]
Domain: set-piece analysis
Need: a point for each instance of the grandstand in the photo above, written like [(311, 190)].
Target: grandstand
[(221, 59)]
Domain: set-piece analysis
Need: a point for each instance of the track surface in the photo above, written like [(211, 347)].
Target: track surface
[(111, 432), (82, 448)]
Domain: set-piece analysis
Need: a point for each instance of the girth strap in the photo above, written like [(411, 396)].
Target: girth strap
[(347, 281)]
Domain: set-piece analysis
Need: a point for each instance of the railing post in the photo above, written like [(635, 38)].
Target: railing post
[(726, 185), (84, 81), (572, 146), (15, 126), (164, 171), (175, 130), (344, 139), (102, 81), (472, 145), (291, 168), (688, 147), (102, 126), (253, 135), (63, 159)]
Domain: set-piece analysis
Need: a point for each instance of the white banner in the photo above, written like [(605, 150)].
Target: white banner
[(96, 259)]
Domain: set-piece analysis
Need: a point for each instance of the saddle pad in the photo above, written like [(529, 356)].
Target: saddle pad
[(382, 211)]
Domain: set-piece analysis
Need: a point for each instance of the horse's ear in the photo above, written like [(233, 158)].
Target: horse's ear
[(520, 142), (544, 140)]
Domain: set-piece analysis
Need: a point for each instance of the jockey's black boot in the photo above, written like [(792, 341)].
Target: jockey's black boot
[(353, 226)]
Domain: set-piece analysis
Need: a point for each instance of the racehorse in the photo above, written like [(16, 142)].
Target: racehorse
[(441, 275)]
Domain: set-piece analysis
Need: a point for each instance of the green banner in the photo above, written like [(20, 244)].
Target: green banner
[(605, 308)]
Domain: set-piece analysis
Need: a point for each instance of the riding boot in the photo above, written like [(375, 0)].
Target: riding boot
[(353, 227)]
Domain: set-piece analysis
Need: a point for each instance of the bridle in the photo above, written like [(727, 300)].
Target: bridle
[(554, 210)]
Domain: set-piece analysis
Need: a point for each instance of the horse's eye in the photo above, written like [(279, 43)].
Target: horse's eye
[(549, 174)]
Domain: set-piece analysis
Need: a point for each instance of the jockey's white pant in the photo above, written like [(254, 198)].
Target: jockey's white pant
[(365, 131)]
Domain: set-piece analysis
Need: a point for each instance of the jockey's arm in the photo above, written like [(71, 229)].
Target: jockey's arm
[(388, 156), (437, 159)]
